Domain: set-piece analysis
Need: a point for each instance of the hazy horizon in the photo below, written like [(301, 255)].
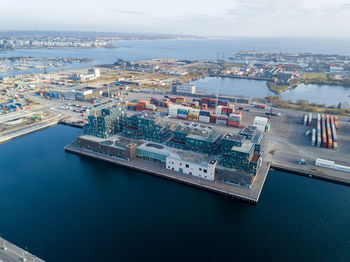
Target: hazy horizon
[(224, 18)]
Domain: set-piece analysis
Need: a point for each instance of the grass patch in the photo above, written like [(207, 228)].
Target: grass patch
[(303, 105), (315, 77)]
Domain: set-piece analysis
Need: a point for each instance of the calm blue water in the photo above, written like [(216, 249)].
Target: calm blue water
[(204, 49), (233, 86), (68, 208), (320, 94)]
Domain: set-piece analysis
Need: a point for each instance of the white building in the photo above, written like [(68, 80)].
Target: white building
[(80, 94), (260, 123), (192, 164), (186, 88), (95, 72)]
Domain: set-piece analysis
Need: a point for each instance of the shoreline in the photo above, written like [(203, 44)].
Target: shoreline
[(250, 195)]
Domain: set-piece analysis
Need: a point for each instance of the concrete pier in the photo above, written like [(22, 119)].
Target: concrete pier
[(313, 171), (28, 129), (11, 253), (250, 195)]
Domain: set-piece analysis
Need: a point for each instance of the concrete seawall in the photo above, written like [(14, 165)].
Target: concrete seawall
[(27, 130), (11, 253), (251, 195), (328, 175)]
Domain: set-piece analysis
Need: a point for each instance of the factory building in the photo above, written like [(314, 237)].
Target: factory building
[(147, 126), (105, 121), (196, 137), (119, 147)]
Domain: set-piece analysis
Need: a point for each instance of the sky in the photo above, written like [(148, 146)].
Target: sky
[(264, 18)]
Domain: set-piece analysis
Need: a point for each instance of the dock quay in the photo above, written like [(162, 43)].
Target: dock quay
[(29, 129), (311, 171), (250, 195), (11, 253), (73, 124)]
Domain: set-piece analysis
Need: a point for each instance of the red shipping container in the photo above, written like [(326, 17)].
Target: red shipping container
[(204, 106), (233, 123)]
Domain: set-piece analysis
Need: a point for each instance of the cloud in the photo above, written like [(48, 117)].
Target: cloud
[(128, 12)]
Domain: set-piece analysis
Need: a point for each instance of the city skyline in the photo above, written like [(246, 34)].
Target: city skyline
[(223, 18)]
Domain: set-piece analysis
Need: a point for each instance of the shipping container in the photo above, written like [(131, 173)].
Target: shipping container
[(310, 119), (204, 100), (336, 122), (172, 110), (260, 106), (218, 110), (205, 119), (305, 120), (233, 123), (324, 163), (313, 137), (204, 113), (334, 131)]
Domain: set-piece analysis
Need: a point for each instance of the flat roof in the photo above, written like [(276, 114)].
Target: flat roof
[(211, 139), (248, 130), (114, 141), (234, 137), (256, 139), (245, 148), (184, 155)]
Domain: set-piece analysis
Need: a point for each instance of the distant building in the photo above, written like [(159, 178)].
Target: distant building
[(178, 88), (93, 73)]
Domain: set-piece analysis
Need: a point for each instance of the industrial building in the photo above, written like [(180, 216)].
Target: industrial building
[(93, 73), (196, 137), (179, 88), (105, 121)]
